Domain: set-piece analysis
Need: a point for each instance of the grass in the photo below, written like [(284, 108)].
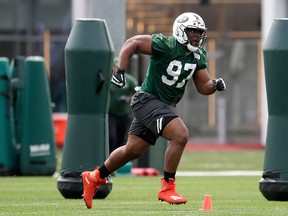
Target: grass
[(222, 160), (251, 160), (138, 195)]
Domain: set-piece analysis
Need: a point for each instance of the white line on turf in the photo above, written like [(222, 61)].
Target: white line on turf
[(219, 173)]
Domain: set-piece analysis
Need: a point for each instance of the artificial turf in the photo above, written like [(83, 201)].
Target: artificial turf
[(231, 195), (138, 196)]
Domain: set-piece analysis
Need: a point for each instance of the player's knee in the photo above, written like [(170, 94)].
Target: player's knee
[(133, 153), (182, 138)]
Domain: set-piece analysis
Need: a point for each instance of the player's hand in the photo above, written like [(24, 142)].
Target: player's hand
[(219, 84), (119, 78)]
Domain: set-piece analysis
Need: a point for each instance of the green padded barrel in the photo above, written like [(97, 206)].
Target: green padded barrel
[(38, 148), (274, 182), (8, 159), (89, 54)]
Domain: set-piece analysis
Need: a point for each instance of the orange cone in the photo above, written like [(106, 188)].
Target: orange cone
[(207, 203)]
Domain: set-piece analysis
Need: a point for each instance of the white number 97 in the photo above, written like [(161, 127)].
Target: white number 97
[(174, 70)]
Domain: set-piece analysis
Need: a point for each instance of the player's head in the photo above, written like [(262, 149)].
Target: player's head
[(189, 29)]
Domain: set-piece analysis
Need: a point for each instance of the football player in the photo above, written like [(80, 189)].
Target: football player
[(173, 61)]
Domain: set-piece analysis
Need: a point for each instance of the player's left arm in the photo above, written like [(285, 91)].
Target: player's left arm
[(205, 85)]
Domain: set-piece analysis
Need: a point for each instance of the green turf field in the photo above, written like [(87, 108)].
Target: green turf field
[(222, 160), (138, 195)]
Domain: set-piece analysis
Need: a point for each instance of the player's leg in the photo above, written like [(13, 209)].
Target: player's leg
[(178, 134), (92, 180), (133, 149)]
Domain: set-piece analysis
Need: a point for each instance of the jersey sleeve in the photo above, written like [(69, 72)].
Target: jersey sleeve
[(201, 56)]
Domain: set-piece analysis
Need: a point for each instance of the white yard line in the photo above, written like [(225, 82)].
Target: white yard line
[(219, 173)]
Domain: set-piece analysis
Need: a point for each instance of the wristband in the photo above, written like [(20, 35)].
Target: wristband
[(120, 70)]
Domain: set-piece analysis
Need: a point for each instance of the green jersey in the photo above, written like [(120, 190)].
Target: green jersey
[(170, 67)]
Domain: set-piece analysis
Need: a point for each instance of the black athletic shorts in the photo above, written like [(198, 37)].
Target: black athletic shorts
[(150, 116)]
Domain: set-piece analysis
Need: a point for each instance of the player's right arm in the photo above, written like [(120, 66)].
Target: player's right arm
[(136, 44)]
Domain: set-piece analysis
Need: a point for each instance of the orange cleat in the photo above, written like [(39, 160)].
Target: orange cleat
[(168, 193), (91, 184)]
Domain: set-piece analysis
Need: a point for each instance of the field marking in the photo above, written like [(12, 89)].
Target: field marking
[(208, 173), (219, 173)]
